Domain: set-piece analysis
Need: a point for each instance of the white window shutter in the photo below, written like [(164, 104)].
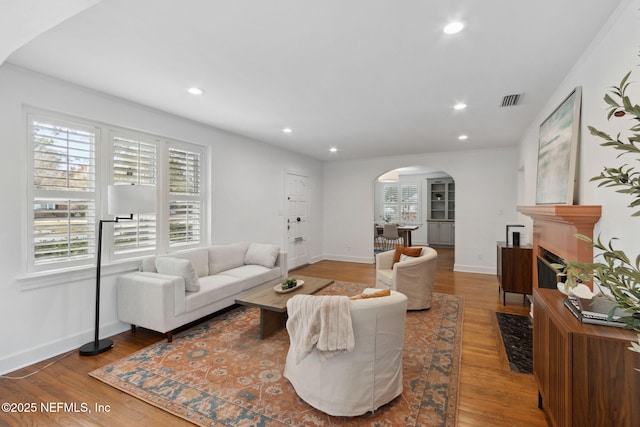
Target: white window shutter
[(134, 162), (63, 192), (185, 197)]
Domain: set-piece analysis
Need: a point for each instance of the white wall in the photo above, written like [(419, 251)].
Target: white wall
[(248, 192), (485, 203), (612, 54)]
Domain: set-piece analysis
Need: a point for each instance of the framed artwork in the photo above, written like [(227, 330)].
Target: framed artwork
[(557, 152)]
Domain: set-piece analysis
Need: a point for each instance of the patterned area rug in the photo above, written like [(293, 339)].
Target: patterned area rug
[(221, 373), (517, 337)]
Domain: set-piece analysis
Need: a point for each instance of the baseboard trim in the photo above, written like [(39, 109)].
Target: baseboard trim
[(314, 259), (474, 269), (51, 349), (362, 260)]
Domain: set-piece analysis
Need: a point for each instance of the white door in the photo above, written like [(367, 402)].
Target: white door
[(297, 215)]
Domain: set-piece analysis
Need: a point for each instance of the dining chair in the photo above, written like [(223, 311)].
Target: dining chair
[(391, 236), (377, 238)]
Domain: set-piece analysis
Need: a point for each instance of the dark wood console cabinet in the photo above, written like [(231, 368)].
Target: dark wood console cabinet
[(514, 269), (586, 375)]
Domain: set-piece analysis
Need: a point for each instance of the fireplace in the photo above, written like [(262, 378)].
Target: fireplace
[(554, 237), (548, 273)]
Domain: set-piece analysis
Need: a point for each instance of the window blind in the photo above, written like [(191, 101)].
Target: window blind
[(63, 157), (390, 199), (185, 197), (134, 162), (409, 203), (63, 191)]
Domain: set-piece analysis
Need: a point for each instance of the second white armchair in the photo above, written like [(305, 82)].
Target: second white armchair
[(414, 276)]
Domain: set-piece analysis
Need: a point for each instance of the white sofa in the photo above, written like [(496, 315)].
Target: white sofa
[(353, 383), (174, 289)]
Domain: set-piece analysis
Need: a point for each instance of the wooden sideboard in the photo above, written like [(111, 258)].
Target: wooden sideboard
[(586, 375), (514, 269)]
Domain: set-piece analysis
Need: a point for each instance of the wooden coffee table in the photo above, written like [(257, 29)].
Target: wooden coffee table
[(273, 306)]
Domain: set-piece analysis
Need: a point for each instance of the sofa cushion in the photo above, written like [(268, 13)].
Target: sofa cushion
[(253, 275), (225, 257), (212, 289), (149, 264), (179, 267), (262, 254)]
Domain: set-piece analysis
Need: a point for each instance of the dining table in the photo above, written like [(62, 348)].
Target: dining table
[(403, 230)]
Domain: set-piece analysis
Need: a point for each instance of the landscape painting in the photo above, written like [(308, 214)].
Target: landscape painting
[(557, 152)]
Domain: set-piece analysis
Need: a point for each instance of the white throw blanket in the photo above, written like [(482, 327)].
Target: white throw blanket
[(323, 321)]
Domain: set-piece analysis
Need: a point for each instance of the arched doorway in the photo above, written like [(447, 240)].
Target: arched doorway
[(421, 196)]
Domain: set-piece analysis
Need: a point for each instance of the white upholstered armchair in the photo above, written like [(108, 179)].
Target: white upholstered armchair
[(413, 277), (353, 383)]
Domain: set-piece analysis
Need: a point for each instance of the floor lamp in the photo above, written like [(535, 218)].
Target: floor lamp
[(121, 199)]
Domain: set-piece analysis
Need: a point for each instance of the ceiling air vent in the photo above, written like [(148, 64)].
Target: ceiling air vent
[(510, 100)]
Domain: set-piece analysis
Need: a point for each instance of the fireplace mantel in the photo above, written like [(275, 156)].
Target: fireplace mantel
[(570, 214), (555, 228)]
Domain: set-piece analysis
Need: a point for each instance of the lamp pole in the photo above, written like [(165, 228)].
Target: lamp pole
[(98, 346)]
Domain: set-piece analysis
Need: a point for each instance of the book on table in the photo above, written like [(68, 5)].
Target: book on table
[(596, 311)]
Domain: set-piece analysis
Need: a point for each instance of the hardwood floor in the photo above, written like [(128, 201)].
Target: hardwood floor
[(490, 395)]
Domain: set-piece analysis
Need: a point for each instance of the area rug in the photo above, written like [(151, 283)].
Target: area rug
[(221, 373), (517, 337)]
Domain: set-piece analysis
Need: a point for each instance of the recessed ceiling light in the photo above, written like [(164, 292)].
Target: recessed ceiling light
[(333, 149), (195, 91), (287, 130), (453, 27), (460, 106), (462, 137)]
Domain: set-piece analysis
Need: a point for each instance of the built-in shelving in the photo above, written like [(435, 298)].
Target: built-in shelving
[(441, 212)]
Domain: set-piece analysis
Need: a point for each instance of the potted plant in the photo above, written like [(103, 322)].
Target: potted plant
[(612, 269), (386, 218)]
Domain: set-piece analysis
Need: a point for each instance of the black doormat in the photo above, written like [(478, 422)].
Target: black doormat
[(517, 338)]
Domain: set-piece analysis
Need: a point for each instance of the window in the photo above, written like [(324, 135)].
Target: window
[(409, 203), (63, 192), (72, 163), (400, 202), (390, 206), (134, 162), (184, 197)]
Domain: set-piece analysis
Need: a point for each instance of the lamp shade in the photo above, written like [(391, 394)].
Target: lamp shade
[(131, 199), (391, 176)]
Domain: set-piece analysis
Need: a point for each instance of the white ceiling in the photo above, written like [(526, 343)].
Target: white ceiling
[(370, 77), (23, 20)]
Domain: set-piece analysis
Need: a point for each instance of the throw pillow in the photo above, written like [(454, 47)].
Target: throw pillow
[(404, 257), (199, 258), (179, 267), (262, 254), (376, 294), (400, 250)]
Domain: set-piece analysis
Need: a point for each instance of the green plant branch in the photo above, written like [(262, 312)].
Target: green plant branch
[(625, 177), (612, 269)]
